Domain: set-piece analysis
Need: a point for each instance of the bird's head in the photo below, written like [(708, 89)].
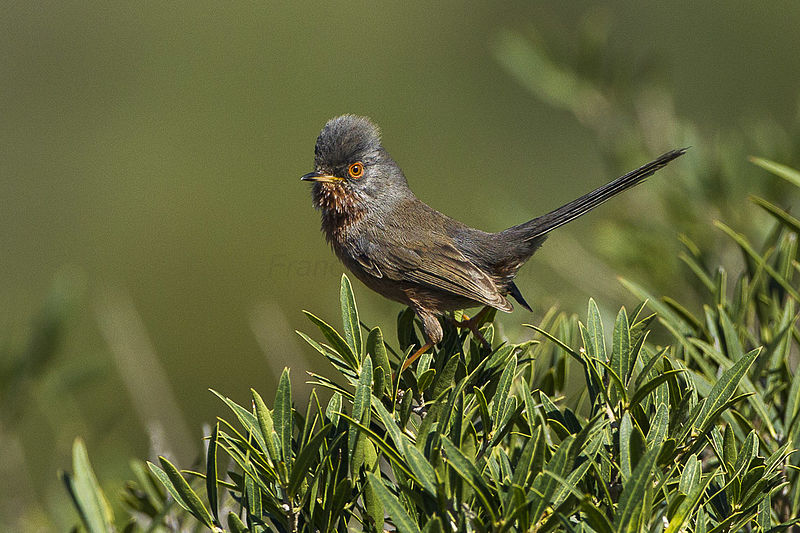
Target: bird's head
[(351, 167)]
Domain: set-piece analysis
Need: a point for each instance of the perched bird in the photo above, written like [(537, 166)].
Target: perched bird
[(409, 252)]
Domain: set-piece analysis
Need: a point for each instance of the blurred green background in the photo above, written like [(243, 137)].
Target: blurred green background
[(156, 239)]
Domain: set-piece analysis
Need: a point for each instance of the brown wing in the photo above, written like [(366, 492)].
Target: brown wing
[(438, 266)]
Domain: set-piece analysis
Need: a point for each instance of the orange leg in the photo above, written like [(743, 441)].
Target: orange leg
[(469, 323), (472, 325), (427, 346)]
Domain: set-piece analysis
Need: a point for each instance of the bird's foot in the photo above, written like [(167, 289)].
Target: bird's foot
[(473, 323)]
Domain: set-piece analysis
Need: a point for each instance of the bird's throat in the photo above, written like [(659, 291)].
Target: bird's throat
[(341, 208)]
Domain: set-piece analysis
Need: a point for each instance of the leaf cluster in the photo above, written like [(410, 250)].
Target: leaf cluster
[(563, 432)]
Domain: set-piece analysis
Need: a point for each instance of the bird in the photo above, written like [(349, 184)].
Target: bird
[(405, 250)]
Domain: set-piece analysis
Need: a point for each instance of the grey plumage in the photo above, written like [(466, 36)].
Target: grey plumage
[(409, 252)]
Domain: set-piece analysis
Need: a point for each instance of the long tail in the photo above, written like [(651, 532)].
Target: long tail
[(539, 226)]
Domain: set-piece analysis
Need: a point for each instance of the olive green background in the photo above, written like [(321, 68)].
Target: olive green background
[(149, 162)]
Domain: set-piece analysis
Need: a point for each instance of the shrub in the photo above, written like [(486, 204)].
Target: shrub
[(697, 435)]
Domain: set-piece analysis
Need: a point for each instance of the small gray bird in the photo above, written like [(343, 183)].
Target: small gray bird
[(407, 251)]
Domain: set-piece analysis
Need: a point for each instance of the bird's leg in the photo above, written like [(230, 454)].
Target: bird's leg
[(427, 346), (473, 323), (430, 328)]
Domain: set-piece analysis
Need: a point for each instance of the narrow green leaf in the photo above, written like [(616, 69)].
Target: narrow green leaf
[(542, 447), (594, 325), (334, 408), (594, 381), (782, 171), (235, 523), (561, 344), (94, 510), (402, 520), (310, 451), (546, 483), (699, 271), (486, 418), (629, 511), (621, 348), (446, 377), (253, 505), (694, 496), (469, 473), (434, 525), (337, 342), (702, 521), (383, 370), (658, 426), (792, 414), (405, 407), (242, 453), (504, 426), (724, 388), (530, 409), (421, 467), (266, 425), (361, 407), (744, 244), (729, 449), (188, 498), (523, 466), (284, 423), (500, 356), (163, 478), (352, 328), (683, 312), (389, 423), (625, 431), (746, 454), (569, 484), (500, 399), (783, 216), (374, 506), (732, 342), (690, 475), (392, 453), (642, 392), (338, 362), (756, 398), (648, 367), (763, 518), (247, 419), (596, 518), (425, 379), (619, 386)]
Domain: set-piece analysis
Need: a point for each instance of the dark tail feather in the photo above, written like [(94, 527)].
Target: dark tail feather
[(539, 226), (514, 291)]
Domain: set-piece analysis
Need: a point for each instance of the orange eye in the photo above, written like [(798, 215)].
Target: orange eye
[(356, 170)]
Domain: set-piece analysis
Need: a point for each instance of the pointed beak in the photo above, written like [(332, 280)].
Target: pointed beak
[(319, 176)]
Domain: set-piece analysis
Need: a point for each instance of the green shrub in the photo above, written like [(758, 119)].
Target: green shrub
[(565, 431), (697, 435)]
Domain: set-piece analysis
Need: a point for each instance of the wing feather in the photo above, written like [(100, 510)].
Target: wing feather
[(441, 266)]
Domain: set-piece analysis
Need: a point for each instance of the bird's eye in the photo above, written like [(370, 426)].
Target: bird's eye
[(356, 170)]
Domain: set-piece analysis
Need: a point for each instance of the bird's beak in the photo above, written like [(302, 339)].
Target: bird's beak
[(319, 176)]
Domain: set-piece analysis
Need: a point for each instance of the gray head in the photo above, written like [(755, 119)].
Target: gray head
[(351, 163)]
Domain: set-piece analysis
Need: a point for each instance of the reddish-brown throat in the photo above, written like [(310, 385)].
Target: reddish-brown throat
[(340, 205)]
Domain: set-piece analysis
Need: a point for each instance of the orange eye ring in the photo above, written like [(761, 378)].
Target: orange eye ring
[(356, 170)]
